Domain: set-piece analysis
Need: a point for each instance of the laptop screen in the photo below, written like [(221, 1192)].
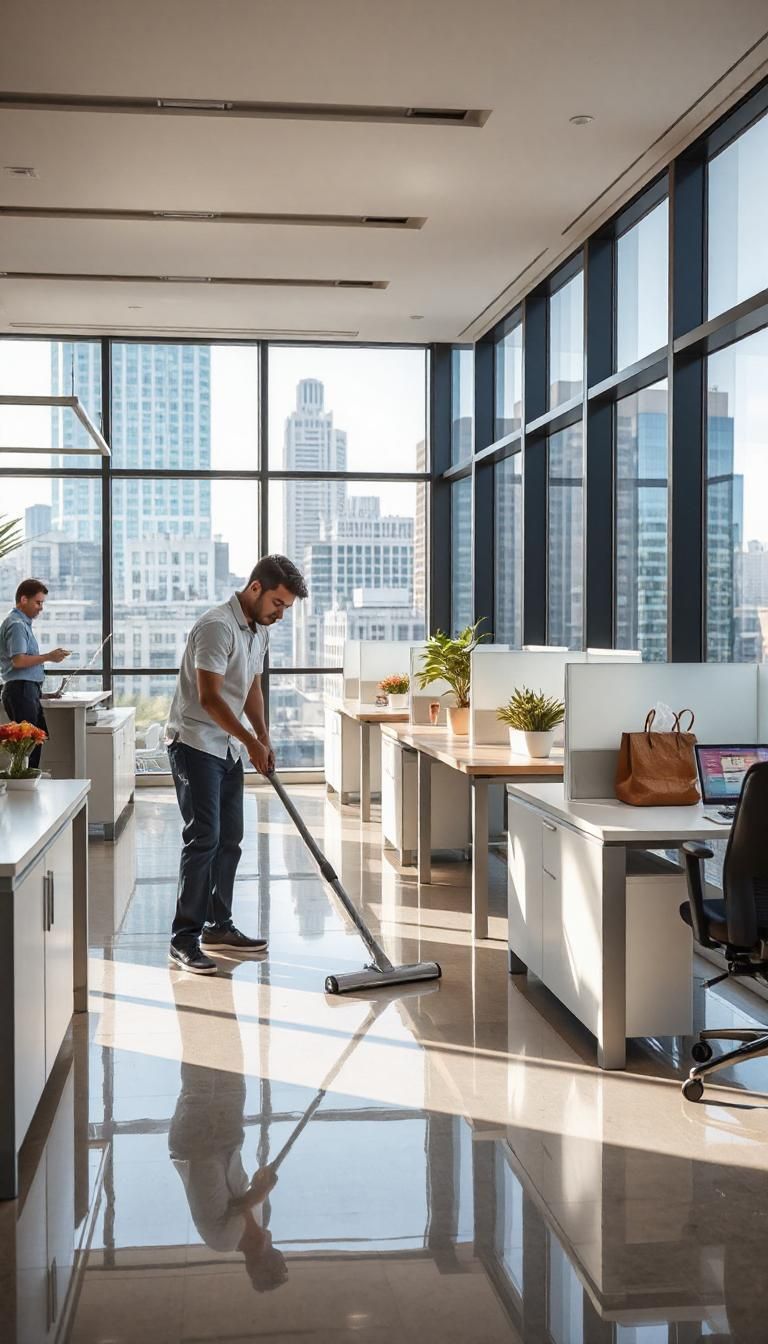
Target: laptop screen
[(722, 770)]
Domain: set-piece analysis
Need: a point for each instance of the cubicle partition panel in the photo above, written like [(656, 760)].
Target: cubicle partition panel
[(381, 658), (495, 679), (614, 656), (604, 701), (421, 699), (350, 669)]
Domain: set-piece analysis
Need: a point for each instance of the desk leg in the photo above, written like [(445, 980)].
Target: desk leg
[(480, 858), (425, 819), (612, 1022), (80, 908), (365, 771), (78, 745)]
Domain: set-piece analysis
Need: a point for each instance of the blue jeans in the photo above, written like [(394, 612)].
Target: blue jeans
[(210, 794), (21, 700)]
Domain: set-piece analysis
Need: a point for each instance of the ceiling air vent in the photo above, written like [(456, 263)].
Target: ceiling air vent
[(212, 216), (263, 281), (148, 329), (219, 107)]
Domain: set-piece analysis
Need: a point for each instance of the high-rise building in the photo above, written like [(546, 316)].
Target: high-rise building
[(641, 524), (725, 533)]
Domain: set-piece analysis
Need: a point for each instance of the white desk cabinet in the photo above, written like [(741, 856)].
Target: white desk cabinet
[(43, 947), (570, 896), (111, 756), (451, 827)]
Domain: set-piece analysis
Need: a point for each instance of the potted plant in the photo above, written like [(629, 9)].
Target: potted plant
[(10, 536), (448, 659), (532, 718), (396, 689), (18, 740)]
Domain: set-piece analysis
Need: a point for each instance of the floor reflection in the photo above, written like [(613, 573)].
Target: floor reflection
[(242, 1159)]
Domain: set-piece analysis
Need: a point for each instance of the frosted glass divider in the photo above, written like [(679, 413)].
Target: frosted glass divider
[(603, 701), (381, 658), (495, 679), (350, 669)]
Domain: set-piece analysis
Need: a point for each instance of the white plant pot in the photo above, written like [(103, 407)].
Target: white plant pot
[(536, 745), (30, 783), (458, 721), (398, 701)]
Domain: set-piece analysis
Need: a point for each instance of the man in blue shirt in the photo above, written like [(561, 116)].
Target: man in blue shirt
[(21, 662)]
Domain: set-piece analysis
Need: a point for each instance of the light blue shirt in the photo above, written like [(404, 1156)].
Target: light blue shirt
[(16, 637)]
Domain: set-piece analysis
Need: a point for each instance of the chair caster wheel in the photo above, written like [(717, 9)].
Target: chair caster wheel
[(331, 985), (701, 1051), (693, 1089)]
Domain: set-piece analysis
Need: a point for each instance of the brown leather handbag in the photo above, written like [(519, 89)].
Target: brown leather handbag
[(658, 769)]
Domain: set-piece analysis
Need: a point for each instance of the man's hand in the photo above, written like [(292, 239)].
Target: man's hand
[(57, 655), (260, 755)]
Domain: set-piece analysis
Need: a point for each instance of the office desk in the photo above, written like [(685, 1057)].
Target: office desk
[(65, 752), (360, 718), (482, 766), (581, 891)]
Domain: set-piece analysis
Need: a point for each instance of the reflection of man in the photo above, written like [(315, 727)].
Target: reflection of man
[(205, 1144), (21, 662), (219, 682)]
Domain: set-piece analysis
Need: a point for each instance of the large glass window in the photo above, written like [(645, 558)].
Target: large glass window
[(641, 523), (462, 403), (44, 369), (565, 538), (508, 549), (737, 487), (509, 382), (340, 409), (566, 342), (65, 554), (185, 407), (362, 548), (179, 546), (461, 554), (642, 286), (297, 719), (737, 219)]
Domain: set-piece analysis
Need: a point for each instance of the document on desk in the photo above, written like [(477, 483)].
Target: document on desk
[(719, 821)]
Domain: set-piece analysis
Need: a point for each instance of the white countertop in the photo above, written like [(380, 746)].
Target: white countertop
[(28, 818), (75, 700), (617, 823), (110, 720)]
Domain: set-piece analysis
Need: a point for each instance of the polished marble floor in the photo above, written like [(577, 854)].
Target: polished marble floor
[(241, 1158)]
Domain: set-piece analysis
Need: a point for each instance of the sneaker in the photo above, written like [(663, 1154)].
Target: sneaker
[(191, 959), (232, 940)]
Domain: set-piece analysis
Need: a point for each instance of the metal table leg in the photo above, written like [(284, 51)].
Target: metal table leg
[(365, 771), (480, 858), (425, 818)]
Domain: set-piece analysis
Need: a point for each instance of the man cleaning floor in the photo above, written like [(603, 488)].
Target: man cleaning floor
[(219, 682)]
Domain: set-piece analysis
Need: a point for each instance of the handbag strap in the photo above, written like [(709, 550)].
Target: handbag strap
[(650, 716), (677, 728)]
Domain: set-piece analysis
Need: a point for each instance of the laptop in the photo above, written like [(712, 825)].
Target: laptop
[(721, 774), (64, 683)]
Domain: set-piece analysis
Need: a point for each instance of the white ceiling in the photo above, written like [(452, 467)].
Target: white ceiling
[(651, 72)]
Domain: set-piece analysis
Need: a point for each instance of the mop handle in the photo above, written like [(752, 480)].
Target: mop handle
[(329, 873)]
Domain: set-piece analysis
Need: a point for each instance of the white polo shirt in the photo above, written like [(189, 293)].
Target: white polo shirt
[(221, 640)]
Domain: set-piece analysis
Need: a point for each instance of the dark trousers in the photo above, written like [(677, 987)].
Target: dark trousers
[(210, 794), (21, 700)]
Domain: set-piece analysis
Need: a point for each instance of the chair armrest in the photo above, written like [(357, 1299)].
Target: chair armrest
[(697, 850)]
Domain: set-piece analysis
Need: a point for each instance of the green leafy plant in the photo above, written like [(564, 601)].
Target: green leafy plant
[(11, 536), (395, 684), (532, 711), (448, 659)]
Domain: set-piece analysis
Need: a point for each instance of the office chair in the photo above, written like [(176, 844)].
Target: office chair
[(737, 925)]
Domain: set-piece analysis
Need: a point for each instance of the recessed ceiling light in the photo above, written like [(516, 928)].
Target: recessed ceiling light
[(417, 317), (582, 119), (134, 307), (20, 170)]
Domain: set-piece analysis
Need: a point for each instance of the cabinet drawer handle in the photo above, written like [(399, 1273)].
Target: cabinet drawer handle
[(548, 826), (45, 903), (51, 899)]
